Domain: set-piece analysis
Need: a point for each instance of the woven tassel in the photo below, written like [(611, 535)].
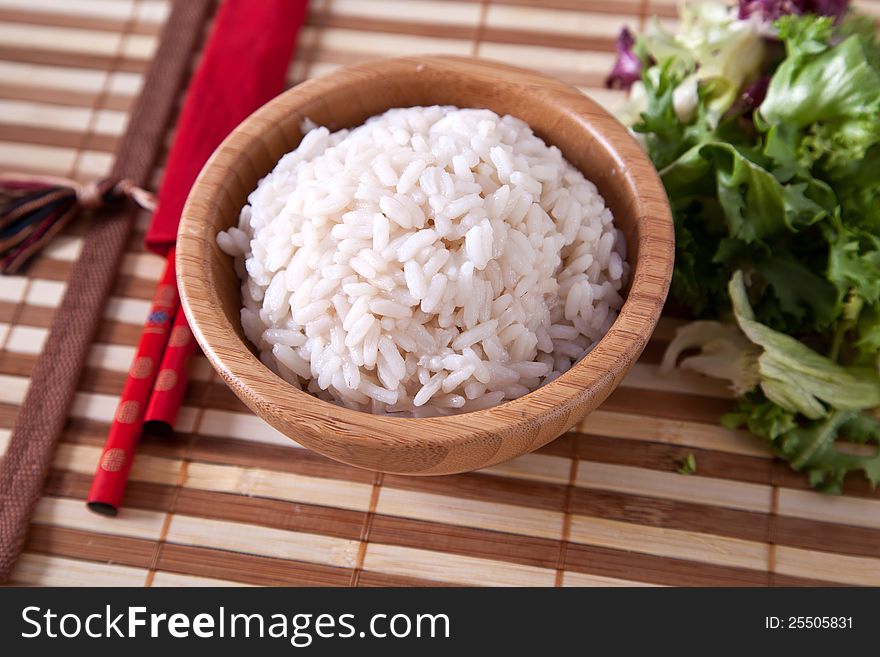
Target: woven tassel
[(35, 208)]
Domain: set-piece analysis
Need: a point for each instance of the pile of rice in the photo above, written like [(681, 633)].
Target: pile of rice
[(434, 260)]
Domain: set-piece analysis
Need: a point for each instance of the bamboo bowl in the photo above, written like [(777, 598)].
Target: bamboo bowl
[(589, 138)]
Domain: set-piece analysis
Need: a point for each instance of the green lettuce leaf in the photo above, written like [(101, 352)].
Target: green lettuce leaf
[(801, 295), (854, 263), (665, 136), (817, 446), (857, 187), (796, 377), (812, 448), (834, 84), (836, 143), (822, 104), (722, 196), (805, 35), (755, 203), (864, 27), (866, 344), (760, 416)]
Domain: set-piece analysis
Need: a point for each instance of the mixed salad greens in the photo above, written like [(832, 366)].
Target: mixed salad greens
[(763, 120)]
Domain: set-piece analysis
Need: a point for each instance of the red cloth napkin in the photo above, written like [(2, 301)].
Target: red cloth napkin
[(243, 65)]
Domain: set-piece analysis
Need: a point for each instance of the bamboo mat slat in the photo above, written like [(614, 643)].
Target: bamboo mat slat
[(229, 501)]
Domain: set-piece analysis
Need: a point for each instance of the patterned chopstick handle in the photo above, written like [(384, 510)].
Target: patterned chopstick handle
[(170, 386), (111, 476)]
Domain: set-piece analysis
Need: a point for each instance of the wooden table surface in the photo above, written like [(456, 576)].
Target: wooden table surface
[(230, 501)]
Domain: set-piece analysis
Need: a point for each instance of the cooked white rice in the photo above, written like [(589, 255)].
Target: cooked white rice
[(434, 260)]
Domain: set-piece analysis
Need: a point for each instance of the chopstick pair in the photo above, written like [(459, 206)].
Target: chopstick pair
[(152, 395), (243, 65)]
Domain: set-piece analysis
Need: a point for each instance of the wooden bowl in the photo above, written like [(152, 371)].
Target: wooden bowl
[(589, 138)]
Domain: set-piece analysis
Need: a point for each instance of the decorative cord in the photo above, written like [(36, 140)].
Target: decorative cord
[(34, 208)]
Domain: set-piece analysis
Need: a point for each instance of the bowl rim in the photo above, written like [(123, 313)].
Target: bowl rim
[(227, 352)]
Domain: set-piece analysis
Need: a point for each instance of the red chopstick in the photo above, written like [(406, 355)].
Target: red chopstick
[(170, 386), (108, 485)]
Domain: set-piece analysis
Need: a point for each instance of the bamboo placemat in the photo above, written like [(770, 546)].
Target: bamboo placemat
[(230, 501)]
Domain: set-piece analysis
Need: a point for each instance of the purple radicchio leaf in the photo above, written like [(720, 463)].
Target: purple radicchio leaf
[(751, 98), (754, 93), (628, 67), (835, 8), (770, 10)]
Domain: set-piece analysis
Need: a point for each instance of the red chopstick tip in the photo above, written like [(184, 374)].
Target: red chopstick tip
[(159, 428), (103, 508)]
